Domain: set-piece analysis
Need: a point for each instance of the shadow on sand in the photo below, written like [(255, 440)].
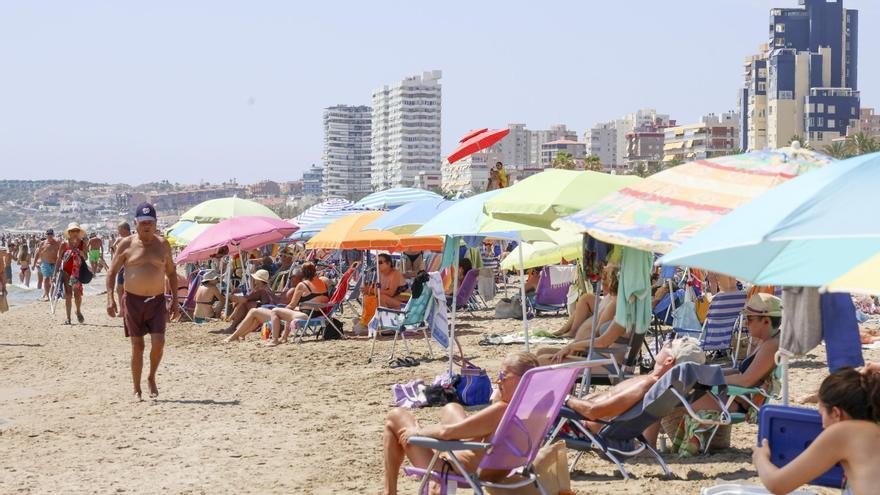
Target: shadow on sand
[(201, 402), (3, 344)]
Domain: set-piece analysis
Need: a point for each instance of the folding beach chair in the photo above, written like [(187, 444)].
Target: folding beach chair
[(465, 297), (354, 292), (552, 298), (320, 314), (188, 304), (516, 441), (412, 318), (722, 321), (621, 438)]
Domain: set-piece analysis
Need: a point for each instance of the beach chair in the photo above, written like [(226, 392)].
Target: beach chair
[(516, 441), (320, 314), (412, 318), (465, 297), (722, 321), (549, 297), (621, 438), (187, 305), (354, 292)]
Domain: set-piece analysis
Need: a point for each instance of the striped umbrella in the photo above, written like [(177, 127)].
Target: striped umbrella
[(660, 212), (319, 210), (394, 197)]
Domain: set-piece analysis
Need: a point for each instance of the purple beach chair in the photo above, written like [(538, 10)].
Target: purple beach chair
[(465, 298), (515, 443), (548, 298)]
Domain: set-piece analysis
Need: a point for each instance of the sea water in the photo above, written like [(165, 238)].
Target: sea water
[(19, 295)]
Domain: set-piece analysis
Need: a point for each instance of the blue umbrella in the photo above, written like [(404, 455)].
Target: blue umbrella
[(409, 217), (807, 232), (321, 209), (394, 197)]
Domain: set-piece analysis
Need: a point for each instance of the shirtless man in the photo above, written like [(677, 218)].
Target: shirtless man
[(96, 252), (47, 256), (124, 230), (3, 252), (147, 260)]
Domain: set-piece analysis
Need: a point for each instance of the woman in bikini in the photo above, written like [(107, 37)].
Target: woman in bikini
[(849, 403), (312, 290), (586, 304), (208, 298), (455, 424)]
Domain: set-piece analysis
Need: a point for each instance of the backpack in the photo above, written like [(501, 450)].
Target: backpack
[(330, 333)]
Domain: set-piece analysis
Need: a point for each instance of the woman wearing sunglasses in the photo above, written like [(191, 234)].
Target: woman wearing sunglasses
[(400, 424)]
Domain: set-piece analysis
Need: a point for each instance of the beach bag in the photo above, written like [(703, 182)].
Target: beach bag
[(551, 468), (329, 332), (486, 284), (371, 302), (684, 318), (474, 386), (85, 275), (509, 307)]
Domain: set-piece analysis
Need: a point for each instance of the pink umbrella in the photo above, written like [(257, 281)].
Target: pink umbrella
[(475, 141), (236, 234)]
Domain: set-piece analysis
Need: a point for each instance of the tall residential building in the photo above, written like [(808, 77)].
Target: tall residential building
[(804, 81), (513, 149), (609, 142), (347, 151), (550, 150), (470, 174), (538, 138), (870, 122), (406, 133), (312, 181), (715, 135)]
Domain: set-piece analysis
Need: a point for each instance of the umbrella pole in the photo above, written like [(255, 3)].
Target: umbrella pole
[(228, 284), (588, 374), (454, 303), (781, 358), (522, 293)]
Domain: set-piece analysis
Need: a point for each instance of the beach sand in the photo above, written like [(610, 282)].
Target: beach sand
[(242, 418)]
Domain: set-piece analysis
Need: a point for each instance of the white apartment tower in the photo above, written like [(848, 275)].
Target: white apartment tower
[(406, 132), (347, 151)]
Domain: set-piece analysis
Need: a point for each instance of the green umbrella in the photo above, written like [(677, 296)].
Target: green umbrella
[(542, 198), (217, 210)]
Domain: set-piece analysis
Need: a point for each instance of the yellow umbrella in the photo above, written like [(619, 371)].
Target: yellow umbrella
[(863, 279), (347, 233), (542, 253)]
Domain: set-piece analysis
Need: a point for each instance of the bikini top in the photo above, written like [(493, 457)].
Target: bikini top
[(311, 295)]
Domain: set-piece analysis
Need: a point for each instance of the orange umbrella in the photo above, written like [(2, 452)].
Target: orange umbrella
[(347, 233)]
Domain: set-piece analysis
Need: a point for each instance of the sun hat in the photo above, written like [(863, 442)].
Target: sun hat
[(762, 304), (210, 275), (261, 275), (71, 226)]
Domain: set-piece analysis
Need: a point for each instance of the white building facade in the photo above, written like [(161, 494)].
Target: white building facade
[(347, 151), (406, 133)]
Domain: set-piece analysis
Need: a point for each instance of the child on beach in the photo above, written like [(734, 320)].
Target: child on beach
[(849, 402)]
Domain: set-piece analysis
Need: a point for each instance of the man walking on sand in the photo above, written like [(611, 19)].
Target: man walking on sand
[(47, 257), (147, 260)]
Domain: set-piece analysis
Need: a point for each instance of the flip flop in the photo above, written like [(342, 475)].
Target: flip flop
[(398, 363), (80, 318), (410, 361)]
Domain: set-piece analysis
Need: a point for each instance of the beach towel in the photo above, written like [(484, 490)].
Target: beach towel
[(520, 338), (438, 322), (841, 331), (409, 395), (802, 325), (562, 275), (634, 290)]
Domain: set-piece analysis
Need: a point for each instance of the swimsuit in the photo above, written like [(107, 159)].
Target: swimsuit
[(144, 314), (47, 269), (94, 255), (311, 295)]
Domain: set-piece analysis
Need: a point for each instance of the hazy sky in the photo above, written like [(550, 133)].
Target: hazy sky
[(125, 91)]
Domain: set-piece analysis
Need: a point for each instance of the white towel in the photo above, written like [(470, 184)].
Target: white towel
[(561, 275), (437, 319)]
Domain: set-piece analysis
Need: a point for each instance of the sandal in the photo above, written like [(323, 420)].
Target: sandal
[(80, 318)]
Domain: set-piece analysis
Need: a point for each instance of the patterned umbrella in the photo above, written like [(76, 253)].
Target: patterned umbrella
[(660, 212), (394, 197), (322, 209)]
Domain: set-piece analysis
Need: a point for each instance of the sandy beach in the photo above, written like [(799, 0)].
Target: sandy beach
[(242, 418)]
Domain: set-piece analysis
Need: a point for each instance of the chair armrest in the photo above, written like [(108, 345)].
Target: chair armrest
[(447, 445), (311, 305), (735, 390), (381, 309)]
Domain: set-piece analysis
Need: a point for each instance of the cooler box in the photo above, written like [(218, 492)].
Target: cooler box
[(789, 431)]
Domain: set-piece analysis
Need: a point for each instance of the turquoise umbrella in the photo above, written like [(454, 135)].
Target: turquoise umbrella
[(409, 217), (395, 197), (807, 232)]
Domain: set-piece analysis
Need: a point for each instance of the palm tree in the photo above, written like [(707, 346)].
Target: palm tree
[(593, 163), (640, 170), (564, 160), (654, 167), (837, 150), (861, 143)]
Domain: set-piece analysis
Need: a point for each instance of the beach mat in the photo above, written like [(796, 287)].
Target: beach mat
[(519, 338)]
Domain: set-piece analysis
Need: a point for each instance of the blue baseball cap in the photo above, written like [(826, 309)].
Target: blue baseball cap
[(145, 212)]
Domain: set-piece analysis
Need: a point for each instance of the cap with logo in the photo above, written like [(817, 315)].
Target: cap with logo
[(145, 212)]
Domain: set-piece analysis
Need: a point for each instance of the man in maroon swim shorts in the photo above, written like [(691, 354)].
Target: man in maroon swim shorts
[(147, 260)]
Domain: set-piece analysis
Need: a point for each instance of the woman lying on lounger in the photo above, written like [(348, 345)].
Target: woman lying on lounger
[(400, 424), (849, 402), (586, 304)]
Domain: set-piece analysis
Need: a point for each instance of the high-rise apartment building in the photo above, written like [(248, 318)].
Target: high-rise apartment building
[(870, 122), (715, 135), (549, 152), (313, 180), (537, 139), (406, 133), (609, 141), (805, 80), (347, 151)]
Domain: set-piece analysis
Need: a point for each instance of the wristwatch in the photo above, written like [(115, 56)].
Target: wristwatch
[(565, 401)]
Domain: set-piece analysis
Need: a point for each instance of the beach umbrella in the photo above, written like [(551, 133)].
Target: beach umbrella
[(394, 197), (660, 212), (475, 141), (409, 217), (308, 230), (348, 233), (184, 231), (566, 246), (236, 234), (215, 210), (321, 210), (544, 197), (813, 231)]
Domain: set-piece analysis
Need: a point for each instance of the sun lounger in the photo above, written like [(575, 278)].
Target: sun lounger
[(412, 318), (465, 297), (621, 438), (516, 441)]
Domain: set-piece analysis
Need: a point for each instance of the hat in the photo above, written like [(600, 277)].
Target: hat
[(210, 275), (762, 304), (72, 226), (261, 275), (50, 232), (145, 212)]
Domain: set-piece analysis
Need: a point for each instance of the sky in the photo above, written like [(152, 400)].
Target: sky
[(211, 90)]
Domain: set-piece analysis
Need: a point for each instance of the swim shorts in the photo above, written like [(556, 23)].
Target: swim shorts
[(47, 269), (144, 314), (8, 273), (94, 255)]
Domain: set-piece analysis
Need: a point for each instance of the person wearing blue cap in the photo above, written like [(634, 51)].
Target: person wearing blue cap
[(146, 258)]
